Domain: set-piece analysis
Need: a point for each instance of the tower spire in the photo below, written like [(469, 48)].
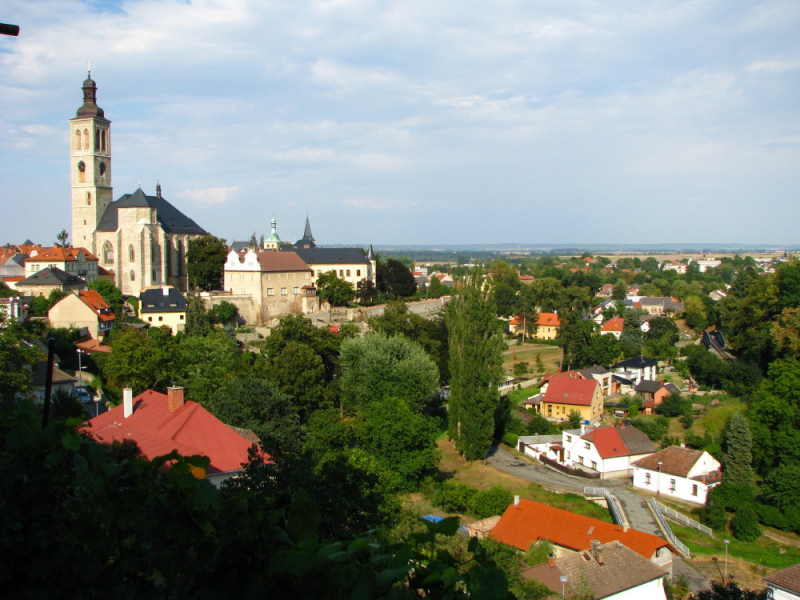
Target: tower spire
[(90, 108)]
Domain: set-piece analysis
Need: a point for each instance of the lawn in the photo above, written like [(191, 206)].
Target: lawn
[(716, 418), (550, 355)]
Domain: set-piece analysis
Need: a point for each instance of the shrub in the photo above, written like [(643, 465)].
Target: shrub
[(510, 439), (772, 516), (521, 368), (715, 517), (731, 496), (744, 524), (452, 497), (488, 503), (655, 428)]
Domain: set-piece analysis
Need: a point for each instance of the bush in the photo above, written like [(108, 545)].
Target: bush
[(655, 428), (538, 425), (488, 503), (731, 496), (510, 439), (744, 524), (521, 368), (674, 405), (452, 497), (715, 517), (772, 517)]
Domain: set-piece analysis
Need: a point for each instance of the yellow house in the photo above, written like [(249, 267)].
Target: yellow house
[(84, 309), (547, 326), (163, 306), (565, 395)]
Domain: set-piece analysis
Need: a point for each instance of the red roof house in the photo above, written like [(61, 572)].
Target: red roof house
[(565, 394), (613, 327), (161, 423), (527, 522)]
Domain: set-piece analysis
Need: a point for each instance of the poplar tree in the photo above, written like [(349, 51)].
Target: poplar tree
[(476, 355), (739, 457)]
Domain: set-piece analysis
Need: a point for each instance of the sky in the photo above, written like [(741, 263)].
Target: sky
[(417, 121)]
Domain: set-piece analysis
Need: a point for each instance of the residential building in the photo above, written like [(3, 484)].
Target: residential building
[(610, 571), (784, 584), (547, 325), (654, 392), (613, 327), (140, 239), (565, 395), (161, 423), (74, 261), (674, 265), (163, 306), (12, 263), (601, 375), (637, 369), (84, 309), (704, 264), (14, 308), (658, 305), (47, 280), (679, 473), (61, 380), (525, 522)]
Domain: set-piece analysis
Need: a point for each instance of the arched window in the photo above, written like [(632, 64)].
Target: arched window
[(85, 139), (78, 139), (88, 198), (133, 275), (103, 140), (155, 278), (108, 253), (131, 253), (97, 140)]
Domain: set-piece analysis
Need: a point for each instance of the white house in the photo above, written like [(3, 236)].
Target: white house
[(676, 472), (784, 584), (704, 264), (637, 369)]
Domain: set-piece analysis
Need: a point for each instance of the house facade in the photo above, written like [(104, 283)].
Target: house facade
[(547, 325), (163, 306), (48, 280), (613, 327), (565, 395), (84, 309), (680, 473), (636, 369), (74, 261)]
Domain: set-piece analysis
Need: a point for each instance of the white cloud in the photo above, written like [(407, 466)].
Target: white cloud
[(212, 195)]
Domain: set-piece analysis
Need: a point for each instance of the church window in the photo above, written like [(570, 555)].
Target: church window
[(155, 278), (103, 140), (97, 140), (88, 200), (85, 139), (131, 253), (108, 254), (133, 275), (78, 142)]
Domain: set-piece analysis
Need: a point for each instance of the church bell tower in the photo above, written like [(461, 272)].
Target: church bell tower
[(90, 167)]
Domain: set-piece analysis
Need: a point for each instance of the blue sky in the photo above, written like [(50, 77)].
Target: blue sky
[(418, 122)]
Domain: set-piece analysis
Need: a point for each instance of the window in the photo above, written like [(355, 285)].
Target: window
[(341, 273), (348, 272), (283, 291), (133, 275), (694, 489), (586, 445), (647, 478), (358, 272), (568, 455), (108, 253), (131, 253), (296, 291), (85, 139), (580, 460), (160, 318), (671, 485), (78, 142), (150, 319), (269, 292), (594, 465), (88, 200), (181, 317), (569, 439)]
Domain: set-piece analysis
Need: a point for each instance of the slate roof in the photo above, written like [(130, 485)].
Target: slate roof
[(595, 370), (635, 440), (528, 522), (53, 276), (190, 430), (170, 218), (638, 362), (331, 256), (578, 392), (621, 569), (647, 385), (788, 579), (162, 300), (675, 460)]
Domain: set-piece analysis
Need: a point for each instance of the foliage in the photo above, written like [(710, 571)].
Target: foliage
[(539, 425), (62, 239), (17, 359), (491, 502), (574, 419), (377, 366), (744, 524), (453, 497), (205, 260), (715, 516), (729, 591), (739, 457), (66, 405), (398, 280), (197, 320), (674, 405), (300, 372), (781, 488), (476, 348), (654, 427), (366, 291), (223, 313), (141, 359), (202, 364), (772, 517), (110, 293), (333, 290), (510, 439), (730, 495)]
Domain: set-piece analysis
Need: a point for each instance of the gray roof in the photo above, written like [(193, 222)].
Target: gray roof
[(595, 370), (646, 385), (540, 439), (170, 218), (330, 256), (54, 276), (155, 300), (239, 246), (635, 440), (636, 363)]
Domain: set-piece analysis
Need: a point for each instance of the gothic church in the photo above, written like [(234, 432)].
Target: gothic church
[(142, 240)]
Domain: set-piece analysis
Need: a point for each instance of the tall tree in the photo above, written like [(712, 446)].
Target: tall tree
[(205, 261), (476, 353), (398, 279), (17, 359), (62, 239), (739, 454), (335, 291)]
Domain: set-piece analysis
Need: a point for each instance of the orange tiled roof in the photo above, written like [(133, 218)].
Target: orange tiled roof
[(548, 319), (615, 324), (94, 300), (61, 254), (607, 442), (529, 522), (563, 390)]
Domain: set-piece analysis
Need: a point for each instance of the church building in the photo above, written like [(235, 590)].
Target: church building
[(142, 240)]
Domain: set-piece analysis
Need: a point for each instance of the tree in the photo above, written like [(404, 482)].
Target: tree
[(224, 313), (203, 363), (674, 405), (399, 280), (476, 348), (729, 591), (695, 313), (376, 367), (299, 372), (110, 293), (335, 291), (744, 524), (141, 359), (781, 488), (366, 291), (574, 419), (205, 260), (17, 360), (197, 320), (296, 328), (620, 291), (436, 289), (61, 239), (739, 456)]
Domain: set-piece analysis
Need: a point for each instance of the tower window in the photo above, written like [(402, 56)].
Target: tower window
[(88, 198), (131, 253), (103, 140), (133, 275), (108, 253), (97, 140), (78, 144), (85, 139), (102, 169)]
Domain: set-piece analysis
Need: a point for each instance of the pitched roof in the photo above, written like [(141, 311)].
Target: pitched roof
[(170, 218), (162, 299), (615, 324), (607, 442), (621, 569), (548, 319), (59, 376), (674, 460), (94, 300), (635, 440), (788, 578), (638, 362), (647, 385), (528, 522), (331, 256), (190, 430), (272, 262), (595, 370), (61, 254), (571, 391), (53, 276)]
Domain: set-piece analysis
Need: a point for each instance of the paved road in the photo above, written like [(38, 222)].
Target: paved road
[(633, 504)]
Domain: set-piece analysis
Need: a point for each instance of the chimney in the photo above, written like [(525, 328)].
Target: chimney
[(174, 398), (597, 552), (127, 402), (516, 500), (165, 290), (551, 561), (625, 528)]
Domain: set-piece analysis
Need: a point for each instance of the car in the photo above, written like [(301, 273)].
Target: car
[(83, 395)]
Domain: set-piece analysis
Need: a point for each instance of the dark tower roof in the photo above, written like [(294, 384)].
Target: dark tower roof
[(170, 218), (307, 241), (90, 108), (370, 253)]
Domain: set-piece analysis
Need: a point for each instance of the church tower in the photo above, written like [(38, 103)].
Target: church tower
[(90, 167)]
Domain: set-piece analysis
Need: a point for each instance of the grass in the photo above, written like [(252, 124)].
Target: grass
[(716, 417), (551, 357)]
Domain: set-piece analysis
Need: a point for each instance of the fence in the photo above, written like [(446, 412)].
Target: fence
[(684, 520), (682, 548), (616, 513)]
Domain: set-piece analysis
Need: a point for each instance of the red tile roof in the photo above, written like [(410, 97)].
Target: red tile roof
[(563, 390), (548, 319), (529, 522), (94, 300), (615, 324), (607, 442), (61, 254), (190, 430)]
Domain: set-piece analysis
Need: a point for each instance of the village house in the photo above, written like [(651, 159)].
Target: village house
[(565, 395), (601, 375), (613, 327), (679, 473), (784, 584), (74, 261), (49, 279), (637, 369), (163, 306), (654, 392), (547, 325), (84, 309)]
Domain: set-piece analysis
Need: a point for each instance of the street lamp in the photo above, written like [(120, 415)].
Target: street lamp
[(563, 579), (658, 484), (725, 580)]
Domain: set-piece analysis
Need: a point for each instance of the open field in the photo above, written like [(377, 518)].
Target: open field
[(693, 255), (551, 358)]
